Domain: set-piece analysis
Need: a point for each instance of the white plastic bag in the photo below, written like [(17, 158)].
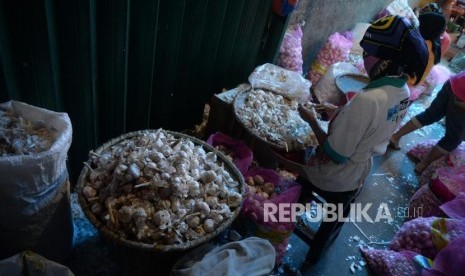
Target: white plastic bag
[(358, 32), (34, 191), (402, 8), (326, 89), (251, 256), (287, 83)]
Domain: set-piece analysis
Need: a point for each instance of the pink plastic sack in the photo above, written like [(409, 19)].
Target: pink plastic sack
[(390, 263), (455, 208), (424, 203), (427, 236), (237, 150), (454, 158), (336, 49), (290, 53), (448, 182), (436, 78), (420, 150), (252, 216), (416, 91)]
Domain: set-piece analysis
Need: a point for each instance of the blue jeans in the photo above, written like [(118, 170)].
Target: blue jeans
[(443, 105)]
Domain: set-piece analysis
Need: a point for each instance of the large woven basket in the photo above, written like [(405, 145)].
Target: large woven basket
[(115, 237)]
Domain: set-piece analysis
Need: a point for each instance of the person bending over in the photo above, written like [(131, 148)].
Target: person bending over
[(449, 103)]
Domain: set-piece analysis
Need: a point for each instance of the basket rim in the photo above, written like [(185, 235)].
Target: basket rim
[(113, 236), (250, 131)]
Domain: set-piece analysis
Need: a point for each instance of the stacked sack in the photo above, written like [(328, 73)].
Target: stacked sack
[(266, 186), (290, 53), (336, 49)]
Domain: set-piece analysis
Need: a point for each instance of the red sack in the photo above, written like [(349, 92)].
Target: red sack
[(448, 182)]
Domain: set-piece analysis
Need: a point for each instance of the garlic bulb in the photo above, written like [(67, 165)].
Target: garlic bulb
[(209, 225)]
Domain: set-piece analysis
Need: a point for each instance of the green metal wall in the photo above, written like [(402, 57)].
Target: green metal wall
[(120, 65)]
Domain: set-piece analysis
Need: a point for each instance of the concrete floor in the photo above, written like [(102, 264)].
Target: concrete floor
[(392, 182)]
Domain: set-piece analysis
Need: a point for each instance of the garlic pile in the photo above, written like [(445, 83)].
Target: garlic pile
[(257, 185), (275, 119), (19, 136), (156, 188)]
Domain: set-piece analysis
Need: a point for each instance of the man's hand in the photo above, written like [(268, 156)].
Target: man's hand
[(328, 108), (307, 114)]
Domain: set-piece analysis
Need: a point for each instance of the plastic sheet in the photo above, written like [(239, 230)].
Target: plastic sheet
[(282, 81)]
